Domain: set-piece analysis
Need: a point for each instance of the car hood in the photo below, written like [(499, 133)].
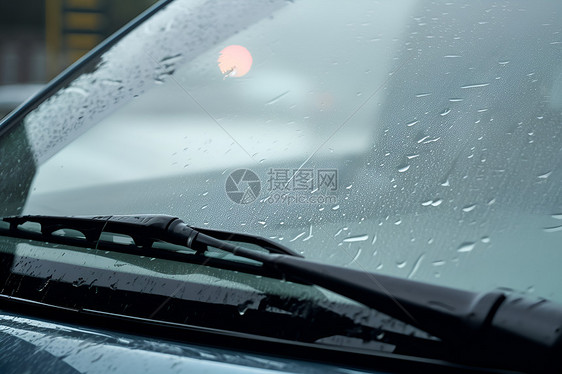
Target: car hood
[(33, 345)]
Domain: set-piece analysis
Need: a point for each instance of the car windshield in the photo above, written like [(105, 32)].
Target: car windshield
[(416, 139)]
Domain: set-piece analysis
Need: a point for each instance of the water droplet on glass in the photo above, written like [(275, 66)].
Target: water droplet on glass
[(358, 238), (416, 266), (403, 168), (297, 237), (557, 216), (437, 202), (77, 90), (44, 284), (336, 207), (277, 98), (553, 229), (477, 85), (79, 282), (412, 123), (427, 203), (466, 247), (469, 208), (243, 308), (445, 112), (485, 239), (545, 175), (401, 264)]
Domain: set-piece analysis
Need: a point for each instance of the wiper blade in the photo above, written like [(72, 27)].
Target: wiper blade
[(494, 329), (145, 229)]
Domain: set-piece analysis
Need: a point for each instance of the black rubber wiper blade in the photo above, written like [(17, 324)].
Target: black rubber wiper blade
[(494, 329), (497, 329), (144, 229)]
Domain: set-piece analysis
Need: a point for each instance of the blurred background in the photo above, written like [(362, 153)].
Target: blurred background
[(40, 38)]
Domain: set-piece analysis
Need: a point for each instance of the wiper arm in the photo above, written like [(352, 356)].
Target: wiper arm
[(494, 329)]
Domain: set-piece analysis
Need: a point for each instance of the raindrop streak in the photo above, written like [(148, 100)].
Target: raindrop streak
[(423, 94), (412, 123), (298, 236), (545, 175), (276, 98), (445, 112), (478, 85), (431, 140), (356, 257), (358, 238), (416, 266), (45, 284), (432, 202), (553, 228), (466, 247), (309, 234)]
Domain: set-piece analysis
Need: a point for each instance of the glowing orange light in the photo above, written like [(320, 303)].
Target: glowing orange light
[(235, 61)]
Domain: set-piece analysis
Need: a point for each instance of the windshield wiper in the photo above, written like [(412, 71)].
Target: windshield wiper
[(494, 329), (144, 229)]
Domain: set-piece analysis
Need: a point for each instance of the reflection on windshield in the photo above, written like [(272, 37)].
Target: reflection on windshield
[(414, 139)]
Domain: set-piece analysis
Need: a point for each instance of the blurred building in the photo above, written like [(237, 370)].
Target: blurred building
[(40, 38)]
